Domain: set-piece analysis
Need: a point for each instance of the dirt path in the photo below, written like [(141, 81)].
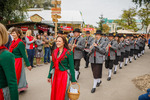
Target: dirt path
[(120, 87)]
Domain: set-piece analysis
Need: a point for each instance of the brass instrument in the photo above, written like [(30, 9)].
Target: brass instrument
[(51, 42), (74, 44), (86, 42)]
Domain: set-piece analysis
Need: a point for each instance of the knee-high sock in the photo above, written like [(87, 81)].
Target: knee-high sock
[(126, 60), (76, 74), (116, 67), (121, 63), (135, 56), (143, 51), (95, 83), (110, 71), (131, 58), (138, 54), (98, 80)]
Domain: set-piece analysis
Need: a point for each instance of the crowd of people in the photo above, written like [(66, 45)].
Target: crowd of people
[(112, 50)]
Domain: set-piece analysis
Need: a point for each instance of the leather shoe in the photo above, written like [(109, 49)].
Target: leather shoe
[(109, 78), (78, 76), (115, 72), (93, 90), (98, 84), (125, 64)]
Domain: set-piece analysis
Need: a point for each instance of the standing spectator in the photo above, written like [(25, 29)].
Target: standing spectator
[(145, 96), (30, 46), (46, 48), (149, 43), (10, 38), (7, 70), (39, 49)]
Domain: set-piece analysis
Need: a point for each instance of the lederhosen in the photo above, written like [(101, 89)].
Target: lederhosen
[(117, 58), (96, 67), (86, 57), (109, 63), (126, 55), (122, 55), (76, 61), (131, 51)]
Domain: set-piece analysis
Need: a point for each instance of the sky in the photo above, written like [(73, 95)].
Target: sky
[(92, 9)]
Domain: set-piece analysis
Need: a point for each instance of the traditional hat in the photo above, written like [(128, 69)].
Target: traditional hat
[(60, 32), (77, 30), (87, 32), (98, 32)]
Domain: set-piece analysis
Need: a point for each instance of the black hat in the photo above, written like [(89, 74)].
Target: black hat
[(122, 36), (116, 35), (60, 32), (104, 35), (128, 35), (135, 36), (87, 32), (98, 32), (111, 34), (77, 30)]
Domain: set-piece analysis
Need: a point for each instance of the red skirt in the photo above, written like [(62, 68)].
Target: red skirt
[(18, 68), (1, 95), (59, 85)]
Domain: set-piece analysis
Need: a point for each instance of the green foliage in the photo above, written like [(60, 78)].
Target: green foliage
[(144, 15), (128, 20), (12, 10), (141, 2), (105, 28), (100, 23)]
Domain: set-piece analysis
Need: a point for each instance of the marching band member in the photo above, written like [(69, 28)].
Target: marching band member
[(144, 41), (122, 42), (127, 49), (118, 53), (136, 47), (78, 45), (140, 46), (132, 41), (88, 39), (110, 54), (97, 50)]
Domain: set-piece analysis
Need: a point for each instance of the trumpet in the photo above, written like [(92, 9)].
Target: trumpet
[(74, 44), (86, 42)]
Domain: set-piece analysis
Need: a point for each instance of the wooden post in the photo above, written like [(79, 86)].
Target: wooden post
[(56, 22), (56, 27)]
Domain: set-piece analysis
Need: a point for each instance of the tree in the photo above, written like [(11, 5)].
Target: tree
[(105, 28), (46, 4), (100, 23), (144, 15), (12, 10), (141, 2), (128, 20)]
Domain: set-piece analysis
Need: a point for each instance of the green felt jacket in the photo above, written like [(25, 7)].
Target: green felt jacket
[(19, 52), (68, 63), (8, 74)]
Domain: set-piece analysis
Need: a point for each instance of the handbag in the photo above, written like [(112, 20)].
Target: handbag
[(67, 71)]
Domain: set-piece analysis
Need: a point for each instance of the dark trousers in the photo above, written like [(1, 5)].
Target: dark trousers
[(30, 53), (109, 63), (97, 70), (77, 64), (47, 54), (86, 58)]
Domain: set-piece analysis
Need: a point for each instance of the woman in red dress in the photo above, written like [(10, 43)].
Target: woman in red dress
[(61, 69)]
